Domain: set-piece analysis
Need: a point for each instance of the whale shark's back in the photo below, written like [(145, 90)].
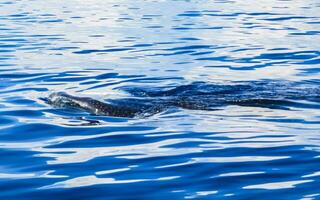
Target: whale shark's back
[(197, 96)]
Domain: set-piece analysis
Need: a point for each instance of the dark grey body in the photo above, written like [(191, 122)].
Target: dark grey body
[(61, 99), (197, 96)]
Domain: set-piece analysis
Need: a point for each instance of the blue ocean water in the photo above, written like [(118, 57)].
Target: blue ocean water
[(111, 50)]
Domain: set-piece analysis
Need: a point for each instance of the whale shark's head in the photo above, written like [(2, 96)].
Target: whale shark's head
[(59, 99)]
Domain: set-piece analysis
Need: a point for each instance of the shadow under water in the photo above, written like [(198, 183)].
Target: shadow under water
[(196, 96)]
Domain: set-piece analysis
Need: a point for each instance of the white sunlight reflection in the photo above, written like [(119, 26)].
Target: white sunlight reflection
[(226, 160), (93, 180), (277, 185)]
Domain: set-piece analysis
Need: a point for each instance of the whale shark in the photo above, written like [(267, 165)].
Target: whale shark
[(196, 96)]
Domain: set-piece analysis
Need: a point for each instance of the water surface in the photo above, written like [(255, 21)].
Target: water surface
[(106, 49)]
